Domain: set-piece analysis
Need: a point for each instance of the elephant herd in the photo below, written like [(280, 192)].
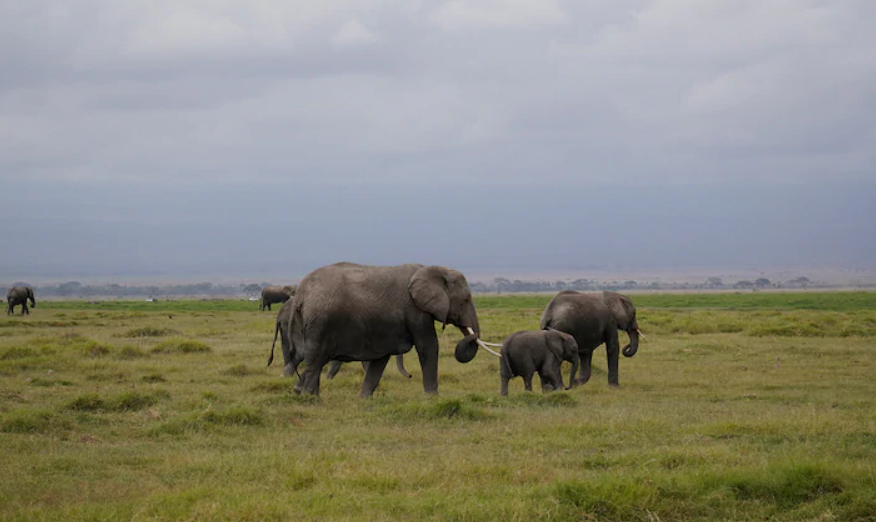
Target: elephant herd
[(351, 312)]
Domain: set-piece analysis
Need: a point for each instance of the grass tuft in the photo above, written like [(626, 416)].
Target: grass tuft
[(16, 352), (240, 370), (126, 401), (128, 353), (32, 421), (235, 416), (181, 346), (786, 486), (538, 400), (149, 331), (439, 409)]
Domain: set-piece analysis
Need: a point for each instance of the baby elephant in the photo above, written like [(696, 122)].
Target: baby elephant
[(542, 351)]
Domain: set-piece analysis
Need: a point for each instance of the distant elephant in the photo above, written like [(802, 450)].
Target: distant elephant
[(19, 295), (543, 351), (593, 319), (281, 327), (275, 294), (352, 312)]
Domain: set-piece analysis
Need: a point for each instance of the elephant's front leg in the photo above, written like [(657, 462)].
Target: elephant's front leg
[(551, 378), (373, 375), (427, 351), (612, 350), (584, 372)]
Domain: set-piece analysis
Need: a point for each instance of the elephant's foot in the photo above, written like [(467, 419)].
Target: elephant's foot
[(288, 371)]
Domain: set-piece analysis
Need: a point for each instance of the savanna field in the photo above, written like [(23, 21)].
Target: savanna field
[(754, 406)]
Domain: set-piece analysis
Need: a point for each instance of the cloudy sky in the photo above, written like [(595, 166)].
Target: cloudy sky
[(178, 137)]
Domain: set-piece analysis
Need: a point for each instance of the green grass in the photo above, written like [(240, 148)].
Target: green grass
[(750, 406)]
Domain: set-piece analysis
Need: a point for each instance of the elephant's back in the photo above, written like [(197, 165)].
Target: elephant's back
[(581, 315), (346, 288)]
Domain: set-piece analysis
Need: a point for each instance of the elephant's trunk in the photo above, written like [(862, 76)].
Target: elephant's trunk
[(576, 362), (631, 349)]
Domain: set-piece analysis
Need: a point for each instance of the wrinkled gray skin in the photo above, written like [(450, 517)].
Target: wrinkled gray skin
[(275, 294), (281, 327), (540, 351), (593, 319), (19, 295), (351, 312)]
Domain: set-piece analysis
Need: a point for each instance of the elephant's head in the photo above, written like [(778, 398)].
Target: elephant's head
[(564, 347), (30, 296), (444, 294), (289, 290), (624, 313)]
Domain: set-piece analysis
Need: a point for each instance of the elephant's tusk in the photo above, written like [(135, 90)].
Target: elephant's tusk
[(640, 333), (487, 348), (481, 343), (471, 332)]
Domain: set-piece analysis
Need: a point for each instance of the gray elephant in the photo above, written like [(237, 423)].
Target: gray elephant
[(352, 312), (19, 295), (542, 351), (281, 327), (275, 294), (593, 319)]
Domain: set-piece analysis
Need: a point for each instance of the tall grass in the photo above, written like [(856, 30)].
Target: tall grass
[(733, 409)]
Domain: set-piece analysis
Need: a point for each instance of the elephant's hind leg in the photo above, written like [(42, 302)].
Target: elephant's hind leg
[(612, 350), (373, 375)]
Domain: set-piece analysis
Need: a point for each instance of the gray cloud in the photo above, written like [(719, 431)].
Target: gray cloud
[(556, 96)]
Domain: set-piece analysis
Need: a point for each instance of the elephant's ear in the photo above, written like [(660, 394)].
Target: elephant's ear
[(554, 341), (428, 288), (621, 308)]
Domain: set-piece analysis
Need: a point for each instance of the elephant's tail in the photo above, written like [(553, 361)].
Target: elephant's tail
[(273, 344)]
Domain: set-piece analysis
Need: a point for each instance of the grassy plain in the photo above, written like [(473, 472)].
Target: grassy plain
[(737, 407)]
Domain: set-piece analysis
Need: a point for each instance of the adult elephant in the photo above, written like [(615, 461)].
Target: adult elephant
[(19, 295), (281, 328), (275, 294), (593, 319), (352, 312)]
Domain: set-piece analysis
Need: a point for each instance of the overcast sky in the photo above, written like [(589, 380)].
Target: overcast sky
[(199, 137)]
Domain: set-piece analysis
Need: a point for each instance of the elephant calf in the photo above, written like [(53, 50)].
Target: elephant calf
[(543, 351)]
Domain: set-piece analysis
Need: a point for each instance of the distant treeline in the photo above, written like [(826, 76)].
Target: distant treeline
[(499, 285)]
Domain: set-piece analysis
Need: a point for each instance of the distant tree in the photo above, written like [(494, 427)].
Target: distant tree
[(69, 288), (800, 281), (502, 284), (714, 281), (744, 284), (762, 282), (252, 289)]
